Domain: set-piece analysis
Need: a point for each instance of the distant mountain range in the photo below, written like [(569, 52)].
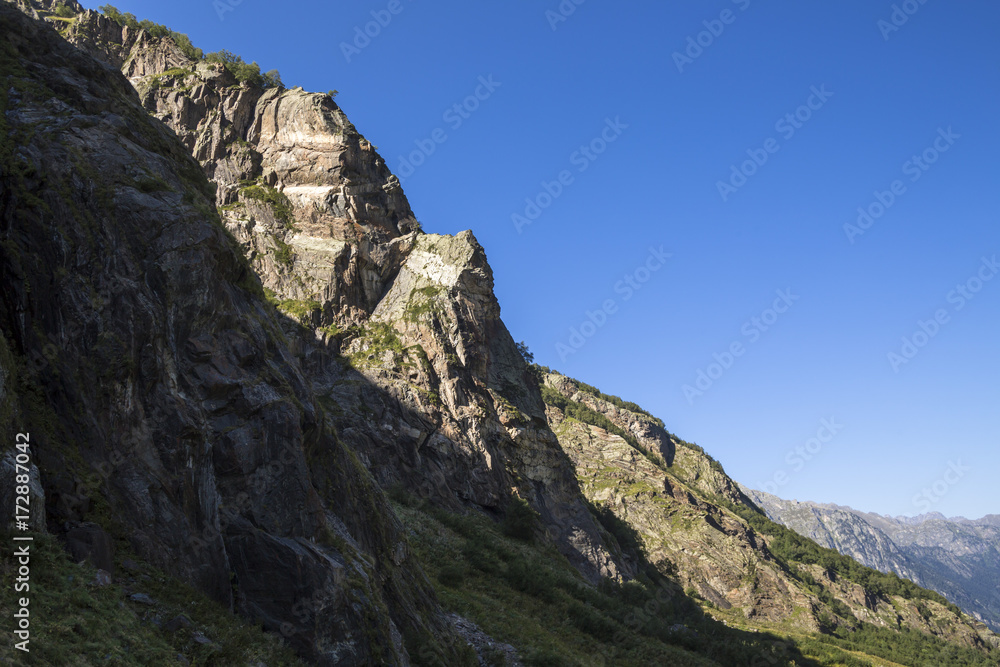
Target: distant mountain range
[(957, 557)]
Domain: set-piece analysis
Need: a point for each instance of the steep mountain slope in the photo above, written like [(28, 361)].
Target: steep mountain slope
[(325, 225), (692, 519), (958, 558), (164, 402), (226, 395)]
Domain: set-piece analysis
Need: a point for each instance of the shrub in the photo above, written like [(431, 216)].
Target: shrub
[(452, 575), (123, 19), (592, 622), (183, 42), (479, 557), (272, 79), (545, 658), (280, 204), (63, 11), (248, 73), (520, 521), (154, 29), (529, 578)]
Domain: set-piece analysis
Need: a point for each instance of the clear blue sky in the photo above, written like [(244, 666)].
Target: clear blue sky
[(656, 185)]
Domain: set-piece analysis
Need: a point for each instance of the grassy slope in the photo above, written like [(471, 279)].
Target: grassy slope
[(76, 622), (877, 645), (529, 596)]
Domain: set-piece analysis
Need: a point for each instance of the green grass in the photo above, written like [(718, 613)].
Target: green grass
[(301, 310), (582, 413), (75, 622), (279, 203), (528, 595), (378, 338), (421, 301)]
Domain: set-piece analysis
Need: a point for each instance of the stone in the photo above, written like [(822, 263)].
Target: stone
[(89, 542)]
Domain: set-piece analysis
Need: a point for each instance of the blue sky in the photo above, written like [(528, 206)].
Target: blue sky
[(869, 98)]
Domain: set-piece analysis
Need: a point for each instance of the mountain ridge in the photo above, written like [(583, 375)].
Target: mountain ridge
[(275, 340), (956, 557)]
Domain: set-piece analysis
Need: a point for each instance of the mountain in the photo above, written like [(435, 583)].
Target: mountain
[(958, 558), (268, 420)]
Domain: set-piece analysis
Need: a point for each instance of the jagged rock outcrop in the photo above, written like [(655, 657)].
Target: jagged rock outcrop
[(681, 516), (712, 551), (690, 462), (324, 223), (958, 558), (224, 374), (163, 399)]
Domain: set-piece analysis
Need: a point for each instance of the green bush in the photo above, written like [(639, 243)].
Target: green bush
[(452, 575), (272, 79), (183, 42), (126, 19), (521, 521), (526, 577), (63, 11), (154, 29), (595, 624), (582, 413), (244, 72), (279, 203)]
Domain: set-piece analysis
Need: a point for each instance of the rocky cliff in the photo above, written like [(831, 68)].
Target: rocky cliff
[(690, 519), (958, 558), (228, 334), (165, 403), (327, 228)]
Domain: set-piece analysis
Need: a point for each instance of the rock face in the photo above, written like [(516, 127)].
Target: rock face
[(681, 518), (958, 558), (227, 333), (207, 392), (710, 549), (326, 226), (164, 401)]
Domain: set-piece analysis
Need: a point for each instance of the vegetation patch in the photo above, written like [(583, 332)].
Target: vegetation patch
[(76, 622), (421, 301), (283, 253), (377, 338), (528, 595), (582, 413), (279, 203)]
